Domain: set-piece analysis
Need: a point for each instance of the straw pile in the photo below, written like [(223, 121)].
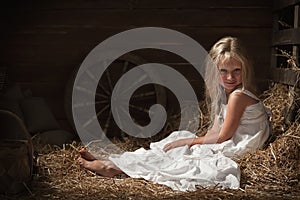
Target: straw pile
[(269, 173)]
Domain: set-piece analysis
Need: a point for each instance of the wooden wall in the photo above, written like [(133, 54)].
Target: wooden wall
[(43, 41)]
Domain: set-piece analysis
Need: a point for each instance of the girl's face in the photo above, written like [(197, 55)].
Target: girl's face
[(230, 71)]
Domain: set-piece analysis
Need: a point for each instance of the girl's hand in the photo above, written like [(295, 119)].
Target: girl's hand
[(178, 143)]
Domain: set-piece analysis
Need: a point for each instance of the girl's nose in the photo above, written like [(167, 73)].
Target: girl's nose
[(230, 76)]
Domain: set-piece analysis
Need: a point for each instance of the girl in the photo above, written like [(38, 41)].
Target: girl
[(183, 161)]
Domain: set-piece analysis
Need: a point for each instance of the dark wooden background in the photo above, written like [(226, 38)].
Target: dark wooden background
[(43, 41)]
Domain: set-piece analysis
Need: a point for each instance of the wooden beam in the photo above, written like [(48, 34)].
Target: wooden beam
[(287, 37), (134, 4), (286, 76), (223, 17), (281, 4), (196, 4), (296, 25)]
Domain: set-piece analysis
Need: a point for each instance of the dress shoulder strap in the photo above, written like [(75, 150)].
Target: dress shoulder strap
[(247, 92)]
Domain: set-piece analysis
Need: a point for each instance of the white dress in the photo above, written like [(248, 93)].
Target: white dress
[(184, 168)]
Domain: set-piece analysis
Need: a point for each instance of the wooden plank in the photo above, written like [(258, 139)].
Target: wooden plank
[(286, 76), (261, 69), (81, 36), (60, 75), (136, 4), (287, 37), (74, 46), (65, 4), (41, 55), (24, 68), (46, 90), (257, 53), (273, 59), (296, 25), (196, 4), (245, 17), (281, 4), (38, 74)]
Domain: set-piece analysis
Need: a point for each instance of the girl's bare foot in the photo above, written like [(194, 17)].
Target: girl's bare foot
[(86, 155), (103, 167)]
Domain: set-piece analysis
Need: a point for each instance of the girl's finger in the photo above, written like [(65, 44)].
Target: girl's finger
[(166, 148)]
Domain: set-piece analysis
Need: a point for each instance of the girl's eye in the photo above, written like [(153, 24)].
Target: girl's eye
[(223, 71), (237, 71)]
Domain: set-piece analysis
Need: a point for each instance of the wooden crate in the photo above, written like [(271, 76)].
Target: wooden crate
[(285, 39)]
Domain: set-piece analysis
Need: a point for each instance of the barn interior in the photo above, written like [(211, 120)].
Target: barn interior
[(44, 43)]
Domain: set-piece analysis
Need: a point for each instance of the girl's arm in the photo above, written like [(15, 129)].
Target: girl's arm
[(237, 104)]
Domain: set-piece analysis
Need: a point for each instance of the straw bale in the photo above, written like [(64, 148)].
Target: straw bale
[(269, 173)]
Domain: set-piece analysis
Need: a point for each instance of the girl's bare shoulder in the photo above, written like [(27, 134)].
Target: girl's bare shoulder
[(242, 98)]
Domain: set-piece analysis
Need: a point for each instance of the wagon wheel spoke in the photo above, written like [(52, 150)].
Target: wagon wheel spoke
[(124, 69), (85, 104), (89, 121), (128, 115), (98, 113), (126, 63), (95, 117), (93, 78), (87, 91), (136, 83), (90, 74), (102, 102), (109, 81), (141, 109), (141, 96), (104, 89), (108, 121)]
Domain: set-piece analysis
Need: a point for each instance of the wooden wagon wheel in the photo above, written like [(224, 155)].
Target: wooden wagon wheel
[(140, 101)]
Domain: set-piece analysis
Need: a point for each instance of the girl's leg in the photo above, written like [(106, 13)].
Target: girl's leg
[(102, 167), (86, 155)]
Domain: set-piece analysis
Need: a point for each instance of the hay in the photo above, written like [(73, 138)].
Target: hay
[(270, 173)]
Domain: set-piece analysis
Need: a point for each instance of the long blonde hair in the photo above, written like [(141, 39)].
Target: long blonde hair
[(227, 47)]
